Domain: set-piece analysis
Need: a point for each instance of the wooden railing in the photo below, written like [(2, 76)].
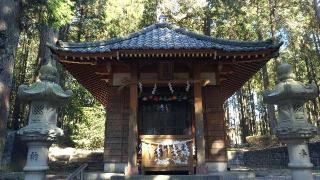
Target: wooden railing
[(78, 173), (167, 153)]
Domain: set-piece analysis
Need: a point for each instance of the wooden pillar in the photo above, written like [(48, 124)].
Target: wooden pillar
[(198, 107), (133, 127)]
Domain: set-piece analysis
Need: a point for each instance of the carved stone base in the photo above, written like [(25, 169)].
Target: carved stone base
[(299, 159), (114, 167), (37, 160), (214, 167), (301, 174), (35, 175)]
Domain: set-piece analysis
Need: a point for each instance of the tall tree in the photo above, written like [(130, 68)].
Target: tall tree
[(316, 4), (265, 75), (207, 22), (47, 35), (9, 37)]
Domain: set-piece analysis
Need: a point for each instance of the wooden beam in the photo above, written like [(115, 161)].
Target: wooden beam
[(76, 62), (127, 82), (198, 108), (133, 127)]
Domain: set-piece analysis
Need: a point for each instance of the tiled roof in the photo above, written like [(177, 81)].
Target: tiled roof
[(164, 36)]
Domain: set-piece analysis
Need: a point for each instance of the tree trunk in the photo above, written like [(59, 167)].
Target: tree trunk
[(316, 4), (47, 35), (243, 122), (252, 107), (265, 79), (270, 108), (63, 35), (207, 18), (9, 38), (311, 78), (17, 118)]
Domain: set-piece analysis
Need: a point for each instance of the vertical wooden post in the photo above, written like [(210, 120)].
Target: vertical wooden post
[(133, 127), (200, 143)]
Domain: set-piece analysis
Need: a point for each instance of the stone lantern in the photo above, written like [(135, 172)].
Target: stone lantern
[(293, 129), (45, 97)]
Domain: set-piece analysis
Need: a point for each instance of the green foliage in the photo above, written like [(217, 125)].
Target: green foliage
[(58, 12), (123, 17), (149, 15), (76, 115), (186, 13), (54, 13), (90, 133)]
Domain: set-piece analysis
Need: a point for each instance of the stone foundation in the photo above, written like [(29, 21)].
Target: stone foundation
[(214, 167), (278, 157), (114, 167)]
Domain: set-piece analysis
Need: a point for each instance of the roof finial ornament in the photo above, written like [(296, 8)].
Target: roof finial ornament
[(162, 18)]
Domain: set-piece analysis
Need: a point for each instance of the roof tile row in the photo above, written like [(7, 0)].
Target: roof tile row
[(164, 36)]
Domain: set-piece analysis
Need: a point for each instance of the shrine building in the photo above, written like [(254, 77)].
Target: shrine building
[(163, 89)]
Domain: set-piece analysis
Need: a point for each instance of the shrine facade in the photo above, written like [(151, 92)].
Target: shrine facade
[(163, 89)]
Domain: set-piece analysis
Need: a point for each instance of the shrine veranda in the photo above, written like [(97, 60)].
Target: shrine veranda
[(163, 89)]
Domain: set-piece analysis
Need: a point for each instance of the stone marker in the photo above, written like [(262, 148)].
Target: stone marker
[(44, 96), (292, 128)]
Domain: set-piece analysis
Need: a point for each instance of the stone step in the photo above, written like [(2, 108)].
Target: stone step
[(171, 177), (99, 175), (114, 176), (56, 176), (59, 166)]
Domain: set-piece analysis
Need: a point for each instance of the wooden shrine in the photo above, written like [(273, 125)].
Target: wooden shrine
[(164, 88)]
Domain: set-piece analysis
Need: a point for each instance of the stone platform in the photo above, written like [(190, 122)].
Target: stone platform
[(168, 177), (267, 175), (113, 176)]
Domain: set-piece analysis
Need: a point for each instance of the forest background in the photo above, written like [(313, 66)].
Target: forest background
[(26, 27)]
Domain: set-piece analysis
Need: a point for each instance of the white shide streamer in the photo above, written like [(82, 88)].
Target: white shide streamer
[(180, 146)]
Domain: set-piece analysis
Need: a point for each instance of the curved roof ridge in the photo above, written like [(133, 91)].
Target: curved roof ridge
[(142, 39), (112, 40), (221, 40)]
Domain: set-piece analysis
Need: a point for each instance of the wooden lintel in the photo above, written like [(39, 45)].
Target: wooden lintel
[(103, 69), (102, 73), (105, 80), (177, 81), (77, 62), (221, 79), (225, 73)]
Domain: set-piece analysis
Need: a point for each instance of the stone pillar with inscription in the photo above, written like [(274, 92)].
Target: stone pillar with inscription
[(292, 128), (44, 96)]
